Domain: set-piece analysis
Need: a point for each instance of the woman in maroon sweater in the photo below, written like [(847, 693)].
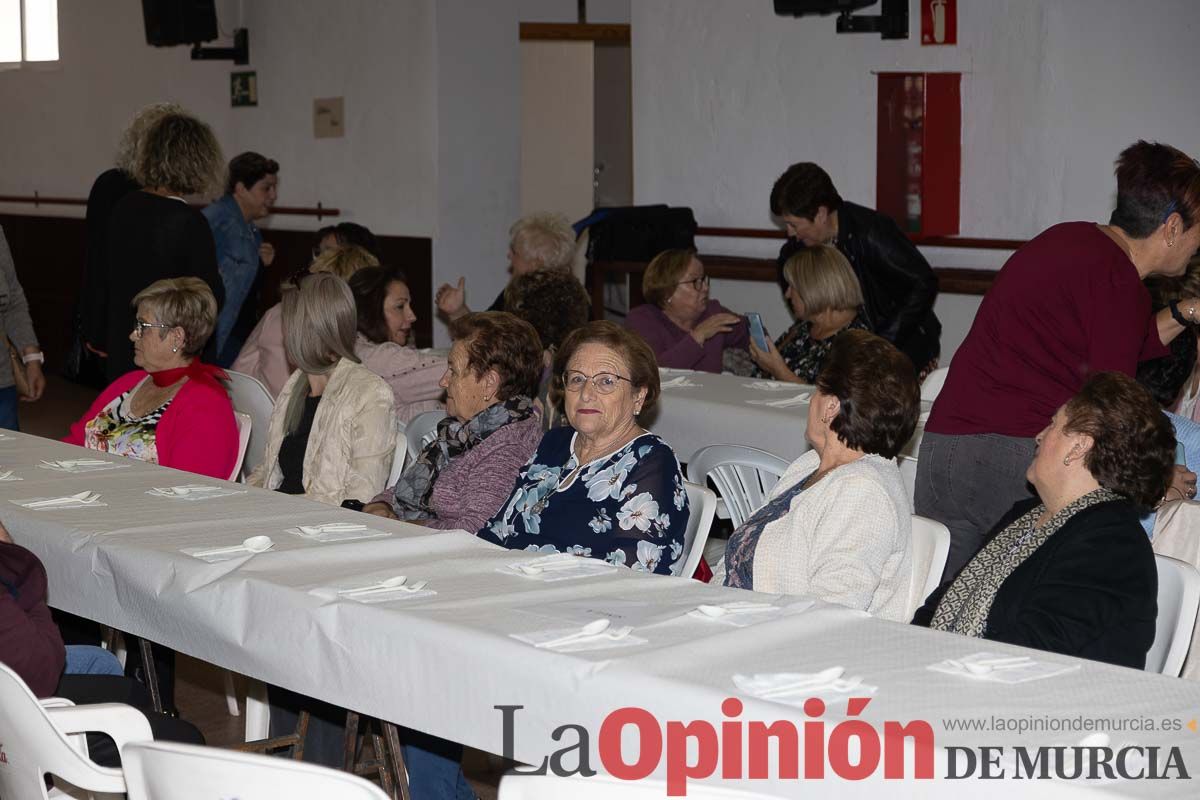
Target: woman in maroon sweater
[(1068, 304)]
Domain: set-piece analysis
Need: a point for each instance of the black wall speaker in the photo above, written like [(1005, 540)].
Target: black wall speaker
[(174, 22)]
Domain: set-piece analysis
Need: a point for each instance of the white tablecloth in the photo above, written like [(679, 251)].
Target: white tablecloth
[(442, 663)]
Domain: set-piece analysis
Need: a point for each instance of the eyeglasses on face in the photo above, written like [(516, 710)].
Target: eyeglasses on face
[(696, 283), (139, 327), (602, 382)]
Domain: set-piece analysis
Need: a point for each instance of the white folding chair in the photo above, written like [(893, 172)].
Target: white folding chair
[(155, 770), (702, 504), (1178, 603), (250, 397), (744, 476), (36, 742), (930, 547), (244, 426), (421, 430), (514, 786), (932, 385), (399, 456)]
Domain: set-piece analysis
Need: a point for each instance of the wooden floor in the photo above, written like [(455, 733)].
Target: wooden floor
[(199, 689)]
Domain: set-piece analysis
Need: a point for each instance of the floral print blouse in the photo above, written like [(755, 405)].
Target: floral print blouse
[(628, 508), (116, 430), (803, 354)]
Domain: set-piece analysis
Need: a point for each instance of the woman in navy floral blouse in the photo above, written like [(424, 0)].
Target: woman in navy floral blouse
[(600, 487)]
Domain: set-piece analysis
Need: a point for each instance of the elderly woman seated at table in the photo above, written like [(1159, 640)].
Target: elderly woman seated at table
[(555, 304), (837, 525), (172, 410), (601, 486), (461, 478), (332, 431), (683, 327), (826, 299), (385, 321), (1073, 571)]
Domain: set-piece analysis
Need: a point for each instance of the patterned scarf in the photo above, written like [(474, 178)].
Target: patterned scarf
[(454, 438), (965, 607)]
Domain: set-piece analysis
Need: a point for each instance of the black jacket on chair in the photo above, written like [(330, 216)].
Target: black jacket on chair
[(898, 285), (1091, 590)]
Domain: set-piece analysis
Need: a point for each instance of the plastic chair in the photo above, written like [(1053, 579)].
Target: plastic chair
[(1178, 603), (250, 397), (744, 476), (930, 547), (702, 504), (399, 456), (190, 772), (36, 742), (514, 786), (932, 386), (244, 426), (420, 432)]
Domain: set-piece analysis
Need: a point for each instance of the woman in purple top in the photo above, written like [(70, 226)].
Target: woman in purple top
[(683, 327), (463, 476)]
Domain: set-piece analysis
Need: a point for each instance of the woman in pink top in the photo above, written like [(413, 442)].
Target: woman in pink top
[(385, 320), (172, 411), (683, 327)]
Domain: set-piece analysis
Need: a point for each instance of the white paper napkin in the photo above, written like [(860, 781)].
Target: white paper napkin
[(79, 500), (215, 558), (675, 371), (336, 532), (7, 475), (559, 567), (793, 688), (783, 402), (770, 386), (193, 491), (81, 465), (1002, 669), (386, 595), (738, 614), (680, 382), (600, 641)]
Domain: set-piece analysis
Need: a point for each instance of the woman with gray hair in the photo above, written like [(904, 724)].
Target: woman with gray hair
[(330, 407), (535, 242)]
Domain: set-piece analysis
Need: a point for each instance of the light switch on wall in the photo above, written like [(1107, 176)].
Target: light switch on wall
[(329, 121)]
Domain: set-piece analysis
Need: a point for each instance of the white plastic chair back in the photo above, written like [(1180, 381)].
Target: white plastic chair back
[(744, 476), (908, 474), (156, 770), (603, 787), (399, 456), (702, 504), (930, 547), (421, 430), (36, 740), (932, 385), (1178, 602), (244, 426), (249, 396)]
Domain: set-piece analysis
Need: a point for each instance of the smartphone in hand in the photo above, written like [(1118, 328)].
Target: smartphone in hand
[(757, 332)]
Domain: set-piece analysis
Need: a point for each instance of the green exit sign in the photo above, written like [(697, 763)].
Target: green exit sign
[(243, 89)]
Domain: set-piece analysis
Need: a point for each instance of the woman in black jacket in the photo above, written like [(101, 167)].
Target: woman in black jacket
[(1073, 571)]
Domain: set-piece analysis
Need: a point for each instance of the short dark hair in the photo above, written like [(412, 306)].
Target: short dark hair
[(370, 287), (802, 190), (1164, 377), (878, 391), (631, 347), (353, 233), (553, 302), (248, 169), (1133, 442), (500, 341), (1154, 180)]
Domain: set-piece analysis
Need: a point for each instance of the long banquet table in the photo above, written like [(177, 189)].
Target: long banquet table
[(442, 663)]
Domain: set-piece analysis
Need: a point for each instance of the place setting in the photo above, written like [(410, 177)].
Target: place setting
[(386, 590), (679, 382), (598, 634), (793, 688), (999, 668), (558, 567), (193, 492), (336, 532), (78, 465), (7, 475), (782, 402), (250, 546), (770, 386), (86, 499)]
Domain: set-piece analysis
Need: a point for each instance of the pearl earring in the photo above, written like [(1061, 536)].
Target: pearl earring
[(1066, 461), (174, 349)]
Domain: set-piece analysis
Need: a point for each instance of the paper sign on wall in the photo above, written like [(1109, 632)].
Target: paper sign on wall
[(939, 22)]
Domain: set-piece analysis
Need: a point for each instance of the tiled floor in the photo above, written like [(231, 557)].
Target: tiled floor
[(199, 688)]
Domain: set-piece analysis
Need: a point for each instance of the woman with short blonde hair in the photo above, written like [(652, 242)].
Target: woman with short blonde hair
[(826, 300), (343, 261), (186, 303), (332, 432)]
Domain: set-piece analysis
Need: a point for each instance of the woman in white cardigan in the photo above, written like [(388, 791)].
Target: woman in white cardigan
[(837, 525), (332, 431)]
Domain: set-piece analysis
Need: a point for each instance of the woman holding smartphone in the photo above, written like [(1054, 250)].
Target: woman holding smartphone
[(826, 299)]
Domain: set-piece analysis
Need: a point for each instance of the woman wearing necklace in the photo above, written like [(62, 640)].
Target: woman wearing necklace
[(153, 233), (826, 299), (172, 410), (600, 486), (1072, 572), (837, 525)]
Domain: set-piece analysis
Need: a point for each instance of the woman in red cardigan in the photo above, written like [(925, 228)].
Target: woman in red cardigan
[(173, 411)]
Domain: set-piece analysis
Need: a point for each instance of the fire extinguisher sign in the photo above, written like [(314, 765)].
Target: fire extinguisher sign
[(939, 22)]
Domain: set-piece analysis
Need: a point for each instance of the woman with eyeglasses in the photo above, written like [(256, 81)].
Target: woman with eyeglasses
[(172, 410), (683, 327), (601, 486)]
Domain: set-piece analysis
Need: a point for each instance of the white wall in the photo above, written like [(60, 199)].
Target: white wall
[(726, 95)]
